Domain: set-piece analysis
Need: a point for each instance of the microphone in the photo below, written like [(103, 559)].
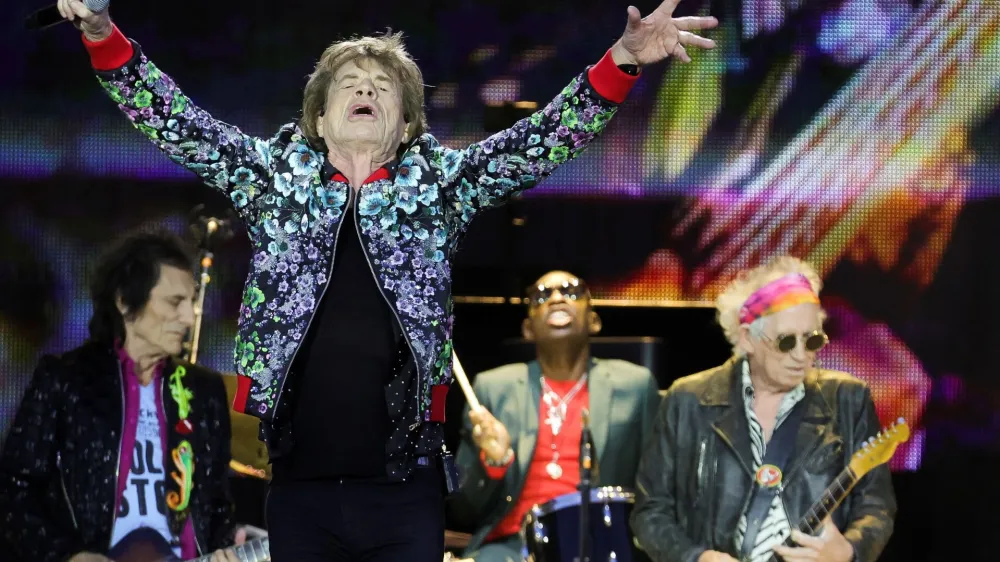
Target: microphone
[(207, 230), (49, 15), (586, 465), (586, 448)]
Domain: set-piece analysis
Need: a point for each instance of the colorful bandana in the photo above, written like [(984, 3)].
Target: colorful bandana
[(785, 292)]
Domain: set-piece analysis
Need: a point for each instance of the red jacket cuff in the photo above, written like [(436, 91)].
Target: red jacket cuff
[(110, 53), (242, 393), (609, 81), (494, 472)]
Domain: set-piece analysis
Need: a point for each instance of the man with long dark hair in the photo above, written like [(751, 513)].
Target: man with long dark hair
[(117, 445)]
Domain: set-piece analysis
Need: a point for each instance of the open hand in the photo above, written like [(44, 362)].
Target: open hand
[(94, 26), (660, 35), (829, 546)]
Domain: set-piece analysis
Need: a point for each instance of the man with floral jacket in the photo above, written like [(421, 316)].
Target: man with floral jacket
[(357, 192)]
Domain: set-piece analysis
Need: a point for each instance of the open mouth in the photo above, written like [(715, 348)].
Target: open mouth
[(559, 318), (361, 111)]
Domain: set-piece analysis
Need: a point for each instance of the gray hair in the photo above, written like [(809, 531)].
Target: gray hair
[(735, 294)]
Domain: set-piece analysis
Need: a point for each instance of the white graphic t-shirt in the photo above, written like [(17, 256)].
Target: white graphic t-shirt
[(143, 502)]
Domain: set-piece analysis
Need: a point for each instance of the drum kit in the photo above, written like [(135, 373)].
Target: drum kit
[(593, 522), (551, 531)]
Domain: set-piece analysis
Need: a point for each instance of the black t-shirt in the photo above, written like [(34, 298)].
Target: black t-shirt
[(340, 422)]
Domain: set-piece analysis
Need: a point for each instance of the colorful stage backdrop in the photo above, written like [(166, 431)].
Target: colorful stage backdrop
[(858, 134)]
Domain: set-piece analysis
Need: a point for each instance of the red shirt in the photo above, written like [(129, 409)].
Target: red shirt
[(539, 486)]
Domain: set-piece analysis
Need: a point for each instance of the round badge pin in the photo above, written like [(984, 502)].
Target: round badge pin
[(768, 476)]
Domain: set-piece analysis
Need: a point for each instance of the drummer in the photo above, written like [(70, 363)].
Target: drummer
[(523, 447)]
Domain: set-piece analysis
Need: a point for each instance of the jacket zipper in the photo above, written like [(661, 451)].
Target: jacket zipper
[(62, 484), (329, 276), (364, 252), (710, 502), (118, 457), (701, 462)]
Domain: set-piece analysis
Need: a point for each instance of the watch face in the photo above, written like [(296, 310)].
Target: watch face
[(629, 69)]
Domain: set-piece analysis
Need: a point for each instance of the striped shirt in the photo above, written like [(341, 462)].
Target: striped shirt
[(775, 528)]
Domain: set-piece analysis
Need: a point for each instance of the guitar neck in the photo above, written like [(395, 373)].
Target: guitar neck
[(828, 501), (256, 550)]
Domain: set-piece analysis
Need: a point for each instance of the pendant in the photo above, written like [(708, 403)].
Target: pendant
[(554, 470), (554, 423)]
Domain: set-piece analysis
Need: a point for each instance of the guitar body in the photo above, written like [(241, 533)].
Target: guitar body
[(143, 545), (875, 452), (147, 545)]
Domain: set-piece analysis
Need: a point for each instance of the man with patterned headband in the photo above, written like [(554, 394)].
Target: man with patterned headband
[(740, 452)]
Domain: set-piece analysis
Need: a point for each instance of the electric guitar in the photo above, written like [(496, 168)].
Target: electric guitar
[(876, 451), (148, 545)]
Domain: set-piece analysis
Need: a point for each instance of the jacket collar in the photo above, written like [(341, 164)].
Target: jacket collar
[(600, 390), (723, 389)]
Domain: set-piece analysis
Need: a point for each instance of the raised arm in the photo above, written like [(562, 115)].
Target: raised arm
[(490, 172), (29, 477), (228, 160)]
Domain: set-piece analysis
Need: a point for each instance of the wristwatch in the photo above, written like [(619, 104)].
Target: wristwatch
[(503, 462), (630, 69)]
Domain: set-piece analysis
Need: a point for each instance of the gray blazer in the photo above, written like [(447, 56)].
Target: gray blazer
[(624, 399)]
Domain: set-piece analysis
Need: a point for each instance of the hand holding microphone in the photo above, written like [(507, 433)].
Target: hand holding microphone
[(89, 16)]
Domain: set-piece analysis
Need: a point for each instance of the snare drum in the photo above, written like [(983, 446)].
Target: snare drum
[(551, 531)]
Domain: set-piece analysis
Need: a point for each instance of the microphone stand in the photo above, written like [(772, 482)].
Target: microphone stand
[(206, 230), (586, 464)]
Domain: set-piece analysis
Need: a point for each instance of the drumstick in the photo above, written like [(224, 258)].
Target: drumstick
[(463, 381)]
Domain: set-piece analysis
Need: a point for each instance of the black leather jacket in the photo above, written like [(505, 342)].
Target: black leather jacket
[(694, 479), (58, 465)]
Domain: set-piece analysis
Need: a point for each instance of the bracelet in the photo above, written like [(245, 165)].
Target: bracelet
[(503, 462)]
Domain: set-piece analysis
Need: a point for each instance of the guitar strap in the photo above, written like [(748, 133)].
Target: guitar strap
[(768, 480)]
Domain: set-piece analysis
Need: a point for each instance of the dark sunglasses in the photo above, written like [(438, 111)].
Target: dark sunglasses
[(814, 341), (572, 289)]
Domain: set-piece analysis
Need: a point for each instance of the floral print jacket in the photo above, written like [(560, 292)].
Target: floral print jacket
[(410, 225)]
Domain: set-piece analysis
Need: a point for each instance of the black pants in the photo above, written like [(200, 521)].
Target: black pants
[(352, 521)]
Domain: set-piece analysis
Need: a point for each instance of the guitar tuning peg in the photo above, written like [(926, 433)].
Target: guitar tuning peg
[(900, 421)]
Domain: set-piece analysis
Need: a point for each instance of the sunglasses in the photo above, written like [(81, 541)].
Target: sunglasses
[(814, 341), (571, 289)]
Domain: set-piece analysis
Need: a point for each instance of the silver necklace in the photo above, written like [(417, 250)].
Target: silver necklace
[(555, 417)]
